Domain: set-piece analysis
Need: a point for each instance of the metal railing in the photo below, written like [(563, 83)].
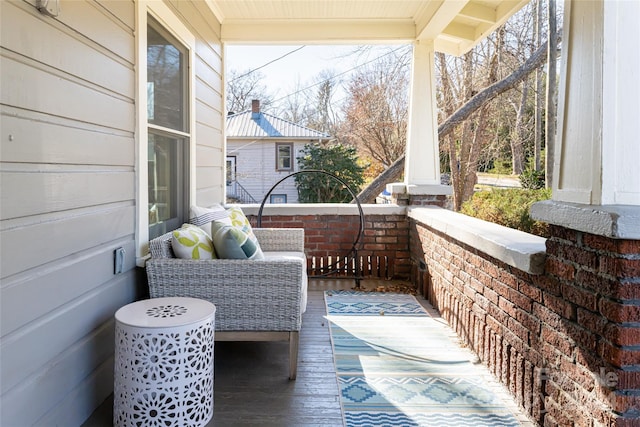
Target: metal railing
[(236, 191)]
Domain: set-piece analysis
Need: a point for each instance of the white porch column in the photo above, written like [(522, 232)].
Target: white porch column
[(598, 150), (621, 104), (422, 158), (598, 143), (422, 161)]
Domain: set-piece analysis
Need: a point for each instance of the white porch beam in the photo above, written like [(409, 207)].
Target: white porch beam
[(449, 46), (460, 31), (215, 8), (430, 27), (506, 9), (480, 13), (315, 31)]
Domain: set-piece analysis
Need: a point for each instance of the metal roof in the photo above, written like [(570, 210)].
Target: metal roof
[(262, 125)]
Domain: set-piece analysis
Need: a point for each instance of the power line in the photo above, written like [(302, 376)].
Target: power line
[(322, 81), (337, 75), (268, 63)]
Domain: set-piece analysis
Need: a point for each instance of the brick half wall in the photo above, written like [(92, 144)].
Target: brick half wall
[(383, 252), (566, 342)]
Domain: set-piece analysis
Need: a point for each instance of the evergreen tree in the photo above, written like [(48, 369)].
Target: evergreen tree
[(337, 159)]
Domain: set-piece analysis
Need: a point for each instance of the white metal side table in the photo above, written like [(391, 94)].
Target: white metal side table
[(163, 372)]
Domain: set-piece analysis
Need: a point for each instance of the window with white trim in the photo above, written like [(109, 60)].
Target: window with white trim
[(284, 157), (168, 136)]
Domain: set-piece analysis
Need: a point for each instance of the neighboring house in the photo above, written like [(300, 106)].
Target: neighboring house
[(261, 150), (113, 124)]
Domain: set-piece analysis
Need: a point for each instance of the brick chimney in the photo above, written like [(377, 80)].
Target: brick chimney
[(255, 109)]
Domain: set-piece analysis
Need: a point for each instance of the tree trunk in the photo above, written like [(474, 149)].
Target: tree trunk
[(394, 172), (466, 140), (517, 141), (537, 141), (455, 160), (494, 90), (550, 136), (476, 147)]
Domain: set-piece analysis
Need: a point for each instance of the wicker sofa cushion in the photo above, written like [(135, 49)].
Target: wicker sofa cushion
[(302, 259), (191, 242)]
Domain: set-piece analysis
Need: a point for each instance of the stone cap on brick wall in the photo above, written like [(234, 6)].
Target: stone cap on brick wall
[(323, 209), (615, 221), (513, 247)]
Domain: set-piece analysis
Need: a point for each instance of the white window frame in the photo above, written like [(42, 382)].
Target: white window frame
[(291, 154), (165, 16)]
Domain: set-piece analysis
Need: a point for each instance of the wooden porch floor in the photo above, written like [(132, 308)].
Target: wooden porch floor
[(251, 378)]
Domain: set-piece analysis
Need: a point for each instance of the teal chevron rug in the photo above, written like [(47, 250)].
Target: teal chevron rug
[(398, 366)]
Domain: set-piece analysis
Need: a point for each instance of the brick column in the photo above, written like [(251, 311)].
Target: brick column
[(591, 338), (420, 195), (592, 310)]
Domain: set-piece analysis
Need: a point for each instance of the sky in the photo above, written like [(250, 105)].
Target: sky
[(297, 66)]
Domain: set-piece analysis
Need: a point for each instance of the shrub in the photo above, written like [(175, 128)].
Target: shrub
[(508, 207), (532, 179), (501, 167), (337, 159)]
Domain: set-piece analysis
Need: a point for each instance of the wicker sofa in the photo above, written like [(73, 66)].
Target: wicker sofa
[(255, 300)]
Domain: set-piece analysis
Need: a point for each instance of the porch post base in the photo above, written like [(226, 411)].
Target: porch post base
[(420, 195)]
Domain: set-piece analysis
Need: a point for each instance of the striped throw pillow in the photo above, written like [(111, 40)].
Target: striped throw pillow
[(203, 217)]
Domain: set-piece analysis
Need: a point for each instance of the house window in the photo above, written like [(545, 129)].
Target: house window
[(231, 169), (278, 198), (168, 136), (284, 157)]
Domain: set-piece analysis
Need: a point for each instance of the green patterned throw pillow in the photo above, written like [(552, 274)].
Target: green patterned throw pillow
[(191, 242), (236, 218), (235, 245), (232, 243)]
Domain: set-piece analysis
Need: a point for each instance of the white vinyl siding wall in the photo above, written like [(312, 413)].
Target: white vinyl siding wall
[(256, 167), (68, 202), (68, 194)]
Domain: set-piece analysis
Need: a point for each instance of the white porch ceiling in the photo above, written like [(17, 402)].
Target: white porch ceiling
[(455, 26)]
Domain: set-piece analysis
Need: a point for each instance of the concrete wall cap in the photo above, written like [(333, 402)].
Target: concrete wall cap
[(323, 209), (513, 247), (614, 221)]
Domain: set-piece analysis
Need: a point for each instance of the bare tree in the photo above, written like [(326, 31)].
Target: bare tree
[(293, 107), (376, 109), (242, 87), (518, 132), (523, 141), (394, 172), (465, 143), (312, 104), (322, 114)]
